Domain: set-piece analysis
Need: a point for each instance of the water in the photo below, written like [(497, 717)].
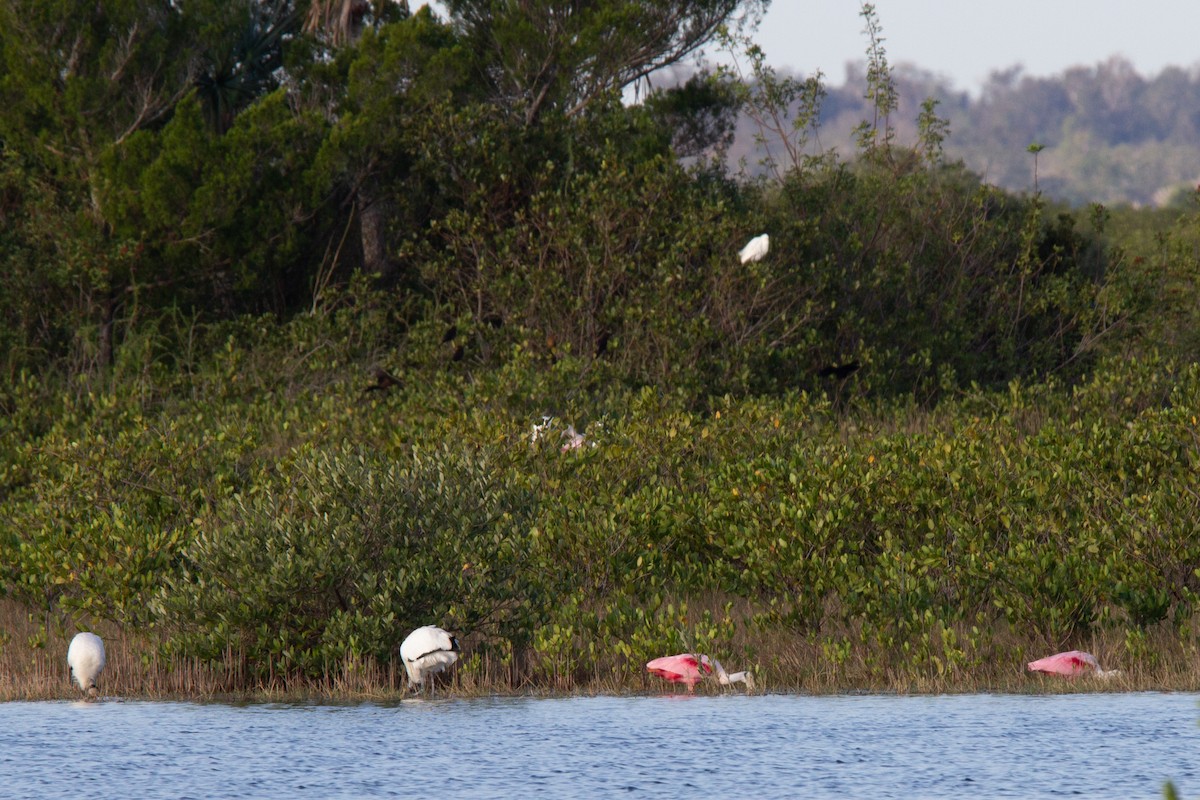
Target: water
[(1098, 745)]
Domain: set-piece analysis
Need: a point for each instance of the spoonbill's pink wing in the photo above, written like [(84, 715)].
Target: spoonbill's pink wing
[(1072, 662), (682, 668)]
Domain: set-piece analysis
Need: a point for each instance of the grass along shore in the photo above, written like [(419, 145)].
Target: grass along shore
[(33, 667)]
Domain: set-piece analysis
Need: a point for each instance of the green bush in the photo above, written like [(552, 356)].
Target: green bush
[(339, 554)]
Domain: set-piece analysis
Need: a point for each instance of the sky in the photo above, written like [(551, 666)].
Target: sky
[(966, 40)]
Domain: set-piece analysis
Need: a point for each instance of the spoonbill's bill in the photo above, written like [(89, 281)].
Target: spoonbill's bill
[(690, 669), (85, 657), (426, 652), (755, 249), (1071, 663)]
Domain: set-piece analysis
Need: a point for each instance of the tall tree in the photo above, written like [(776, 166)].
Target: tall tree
[(76, 78), (79, 82), (568, 53)]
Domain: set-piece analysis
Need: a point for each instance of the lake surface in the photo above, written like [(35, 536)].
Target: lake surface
[(1098, 745)]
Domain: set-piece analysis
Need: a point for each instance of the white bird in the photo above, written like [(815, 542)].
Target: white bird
[(538, 430), (85, 657), (755, 249), (426, 652)]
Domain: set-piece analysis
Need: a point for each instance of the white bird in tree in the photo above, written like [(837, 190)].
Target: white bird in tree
[(539, 429), (426, 652), (85, 657), (755, 249)]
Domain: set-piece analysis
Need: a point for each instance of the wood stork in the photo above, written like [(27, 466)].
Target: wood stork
[(755, 249), (1071, 663), (426, 652), (85, 657), (690, 669)]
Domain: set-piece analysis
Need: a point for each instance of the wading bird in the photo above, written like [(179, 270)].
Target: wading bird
[(574, 439), (85, 657), (426, 652), (690, 669), (1071, 663), (755, 249)]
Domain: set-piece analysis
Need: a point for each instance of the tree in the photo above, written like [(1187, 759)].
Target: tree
[(383, 88), (539, 54), (242, 59), (80, 81), (78, 77)]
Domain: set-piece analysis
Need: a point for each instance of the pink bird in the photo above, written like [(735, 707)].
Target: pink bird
[(691, 669), (1071, 663), (574, 439)]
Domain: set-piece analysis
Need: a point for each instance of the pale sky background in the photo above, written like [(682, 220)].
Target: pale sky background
[(966, 40)]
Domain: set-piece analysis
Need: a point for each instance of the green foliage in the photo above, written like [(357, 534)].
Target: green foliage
[(265, 507), (340, 554), (218, 219)]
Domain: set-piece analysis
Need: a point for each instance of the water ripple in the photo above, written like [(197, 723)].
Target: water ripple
[(1100, 745)]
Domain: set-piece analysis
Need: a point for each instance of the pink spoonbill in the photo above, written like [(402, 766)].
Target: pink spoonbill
[(1071, 663), (574, 439), (690, 669)]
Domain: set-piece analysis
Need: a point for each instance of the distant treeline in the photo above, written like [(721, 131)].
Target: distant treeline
[(1110, 135)]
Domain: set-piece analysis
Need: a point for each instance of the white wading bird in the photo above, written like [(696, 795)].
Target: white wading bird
[(755, 249), (539, 429), (85, 657), (426, 652)]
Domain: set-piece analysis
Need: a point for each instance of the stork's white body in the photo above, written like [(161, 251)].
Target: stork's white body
[(85, 657), (426, 652), (755, 249)]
